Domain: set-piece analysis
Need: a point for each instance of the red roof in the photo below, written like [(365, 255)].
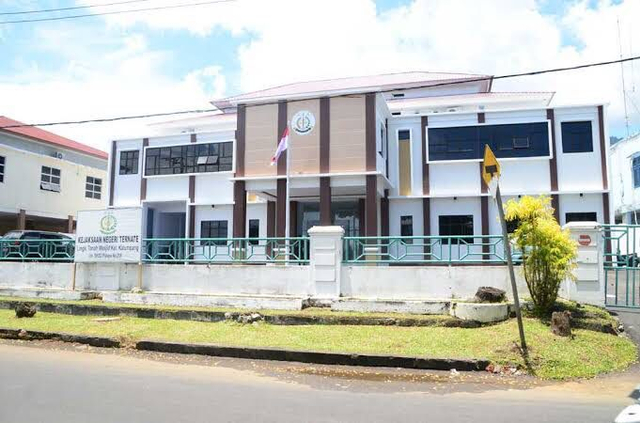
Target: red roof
[(48, 137)]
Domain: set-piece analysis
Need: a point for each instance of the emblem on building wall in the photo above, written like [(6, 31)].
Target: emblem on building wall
[(108, 224), (303, 122)]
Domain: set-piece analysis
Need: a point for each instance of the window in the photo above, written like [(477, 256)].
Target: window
[(2, 161), (214, 229), (93, 188), (577, 137), (129, 162), (254, 230), (50, 179), (456, 226), (382, 147), (635, 169), (406, 228), (189, 158), (581, 217), (509, 140)]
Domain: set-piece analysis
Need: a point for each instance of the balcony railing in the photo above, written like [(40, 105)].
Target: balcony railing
[(62, 249), (426, 250), (226, 250)]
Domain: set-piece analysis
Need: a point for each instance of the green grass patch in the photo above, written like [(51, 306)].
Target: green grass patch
[(586, 355)]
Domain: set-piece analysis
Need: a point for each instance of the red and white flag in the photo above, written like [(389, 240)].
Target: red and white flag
[(282, 146)]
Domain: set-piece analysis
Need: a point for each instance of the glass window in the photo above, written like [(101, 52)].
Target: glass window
[(406, 228), (129, 162), (635, 168), (254, 230), (577, 137), (93, 188), (214, 229), (2, 162), (456, 226), (50, 179), (509, 140), (581, 217), (189, 158)]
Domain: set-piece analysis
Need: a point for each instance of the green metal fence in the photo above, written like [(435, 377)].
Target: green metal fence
[(426, 250), (621, 265), (226, 250), (62, 249)]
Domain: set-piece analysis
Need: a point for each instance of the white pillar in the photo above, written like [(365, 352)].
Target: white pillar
[(589, 284), (326, 260)]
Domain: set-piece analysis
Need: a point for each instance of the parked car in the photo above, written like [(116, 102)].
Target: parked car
[(37, 245)]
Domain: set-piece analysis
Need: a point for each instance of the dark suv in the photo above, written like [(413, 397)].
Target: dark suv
[(37, 245)]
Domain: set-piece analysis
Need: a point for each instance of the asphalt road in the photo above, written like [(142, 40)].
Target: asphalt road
[(70, 384)]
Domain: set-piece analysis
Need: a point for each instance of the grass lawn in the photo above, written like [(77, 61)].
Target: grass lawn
[(588, 354)]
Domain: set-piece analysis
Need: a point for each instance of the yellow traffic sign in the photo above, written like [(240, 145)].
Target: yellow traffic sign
[(490, 166)]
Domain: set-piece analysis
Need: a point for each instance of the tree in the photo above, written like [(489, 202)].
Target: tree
[(548, 252)]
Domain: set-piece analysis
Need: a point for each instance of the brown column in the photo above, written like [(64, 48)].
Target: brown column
[(282, 124), (361, 217), (281, 208), (293, 218), (143, 180), (325, 201), (112, 176), (370, 131), (484, 218), (239, 209), (384, 214), (426, 224), (424, 122), (605, 219), (553, 163), (22, 220), (70, 224), (325, 129), (271, 219), (240, 139), (483, 186), (603, 149), (555, 203), (371, 206), (192, 199)]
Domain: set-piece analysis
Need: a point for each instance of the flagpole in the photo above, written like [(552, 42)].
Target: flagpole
[(287, 229)]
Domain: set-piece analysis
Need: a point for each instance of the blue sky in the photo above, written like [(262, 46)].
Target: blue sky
[(180, 59)]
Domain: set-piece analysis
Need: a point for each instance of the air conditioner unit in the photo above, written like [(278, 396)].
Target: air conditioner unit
[(58, 155)]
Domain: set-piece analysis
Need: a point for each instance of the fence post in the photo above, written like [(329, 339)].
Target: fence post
[(589, 286), (326, 260)]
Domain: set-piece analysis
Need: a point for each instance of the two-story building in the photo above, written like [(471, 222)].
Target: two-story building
[(396, 154), (625, 180), (45, 178)]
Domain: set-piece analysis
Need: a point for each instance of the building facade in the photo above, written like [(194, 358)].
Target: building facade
[(625, 180), (45, 179), (388, 155)]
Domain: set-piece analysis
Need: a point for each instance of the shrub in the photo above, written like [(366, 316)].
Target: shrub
[(548, 252)]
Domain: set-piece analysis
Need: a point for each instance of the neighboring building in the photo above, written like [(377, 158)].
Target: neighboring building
[(625, 179), (395, 154), (45, 179)]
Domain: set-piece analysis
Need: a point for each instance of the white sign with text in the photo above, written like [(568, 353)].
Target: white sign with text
[(111, 235)]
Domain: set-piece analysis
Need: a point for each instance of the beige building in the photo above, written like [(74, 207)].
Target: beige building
[(45, 179)]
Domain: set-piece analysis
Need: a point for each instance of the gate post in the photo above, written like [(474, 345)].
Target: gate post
[(589, 286), (326, 260)]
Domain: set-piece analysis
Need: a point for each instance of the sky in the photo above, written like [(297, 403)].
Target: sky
[(149, 62)]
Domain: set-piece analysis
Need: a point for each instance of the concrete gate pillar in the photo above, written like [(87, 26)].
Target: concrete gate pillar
[(589, 286), (326, 260)]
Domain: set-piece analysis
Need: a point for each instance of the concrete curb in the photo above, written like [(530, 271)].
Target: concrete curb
[(219, 316), (315, 357), (94, 341)]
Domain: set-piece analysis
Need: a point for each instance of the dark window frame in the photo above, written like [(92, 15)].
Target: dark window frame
[(194, 158), (580, 217), (569, 132), (456, 225), (50, 179), (128, 164), (3, 162), (509, 140), (214, 229), (406, 228), (635, 171), (93, 188), (254, 226)]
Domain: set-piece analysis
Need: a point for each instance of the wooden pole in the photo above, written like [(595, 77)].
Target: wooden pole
[(140, 276), (73, 276)]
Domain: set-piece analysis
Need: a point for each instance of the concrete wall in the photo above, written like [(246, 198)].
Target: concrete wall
[(36, 275), (425, 282)]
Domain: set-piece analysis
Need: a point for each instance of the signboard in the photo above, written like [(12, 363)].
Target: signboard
[(111, 235), (490, 166)]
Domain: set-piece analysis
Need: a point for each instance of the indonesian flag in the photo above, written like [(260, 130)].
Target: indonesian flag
[(282, 146)]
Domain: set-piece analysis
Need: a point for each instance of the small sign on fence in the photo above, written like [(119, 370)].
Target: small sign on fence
[(111, 235)]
